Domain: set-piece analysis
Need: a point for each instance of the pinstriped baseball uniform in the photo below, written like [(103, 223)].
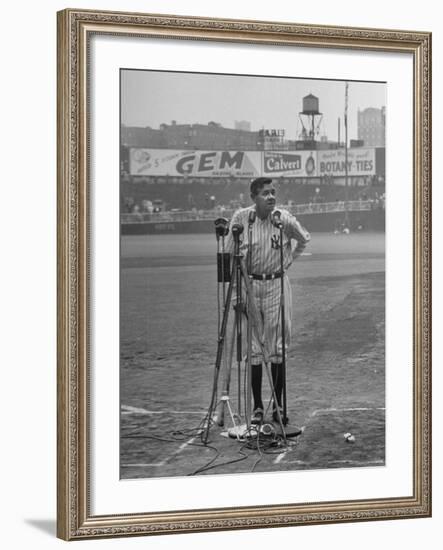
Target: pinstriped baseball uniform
[(263, 258)]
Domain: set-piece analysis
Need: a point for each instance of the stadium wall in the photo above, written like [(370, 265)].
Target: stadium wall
[(372, 220)]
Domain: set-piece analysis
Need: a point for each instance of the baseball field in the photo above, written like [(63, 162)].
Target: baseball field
[(168, 343)]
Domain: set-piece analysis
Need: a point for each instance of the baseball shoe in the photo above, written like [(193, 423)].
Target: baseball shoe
[(290, 430), (257, 416), (275, 417)]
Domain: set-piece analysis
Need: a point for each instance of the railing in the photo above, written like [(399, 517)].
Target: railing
[(312, 208), (338, 206)]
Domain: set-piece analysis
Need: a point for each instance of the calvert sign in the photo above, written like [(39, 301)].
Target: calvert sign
[(361, 162), (167, 162), (297, 163)]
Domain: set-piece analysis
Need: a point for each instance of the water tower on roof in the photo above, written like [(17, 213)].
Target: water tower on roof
[(310, 118)]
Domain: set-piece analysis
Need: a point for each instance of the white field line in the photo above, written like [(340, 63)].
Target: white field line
[(127, 409), (178, 451), (166, 459), (351, 409), (280, 457), (361, 462), (142, 465), (344, 462)]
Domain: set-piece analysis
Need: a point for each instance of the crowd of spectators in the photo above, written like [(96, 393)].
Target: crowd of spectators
[(221, 194)]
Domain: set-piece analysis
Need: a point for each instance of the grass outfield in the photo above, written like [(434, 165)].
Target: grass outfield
[(335, 367)]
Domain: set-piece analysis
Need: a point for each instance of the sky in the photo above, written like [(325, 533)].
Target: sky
[(150, 98)]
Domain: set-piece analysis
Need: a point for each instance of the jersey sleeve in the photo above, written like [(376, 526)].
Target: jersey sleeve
[(294, 230)]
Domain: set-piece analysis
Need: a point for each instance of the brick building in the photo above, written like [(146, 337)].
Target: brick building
[(371, 126), (190, 136)]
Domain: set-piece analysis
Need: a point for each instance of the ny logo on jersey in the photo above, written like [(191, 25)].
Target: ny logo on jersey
[(275, 242)]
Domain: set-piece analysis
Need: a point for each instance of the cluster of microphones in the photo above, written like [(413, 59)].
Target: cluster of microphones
[(222, 224)]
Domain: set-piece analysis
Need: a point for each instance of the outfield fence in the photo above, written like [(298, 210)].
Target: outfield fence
[(192, 215)]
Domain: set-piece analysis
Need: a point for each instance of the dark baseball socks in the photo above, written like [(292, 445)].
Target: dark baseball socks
[(256, 383), (277, 380)]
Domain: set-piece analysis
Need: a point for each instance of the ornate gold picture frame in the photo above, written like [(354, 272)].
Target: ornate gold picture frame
[(77, 518)]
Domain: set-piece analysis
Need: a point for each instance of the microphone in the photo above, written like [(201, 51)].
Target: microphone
[(221, 227), (237, 229), (252, 216), (276, 219)]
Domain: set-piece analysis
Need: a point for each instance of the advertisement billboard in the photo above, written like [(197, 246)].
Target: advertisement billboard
[(361, 162), (289, 163), (168, 162), (251, 164)]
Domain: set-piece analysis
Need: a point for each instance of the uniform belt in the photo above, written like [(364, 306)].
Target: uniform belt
[(265, 277)]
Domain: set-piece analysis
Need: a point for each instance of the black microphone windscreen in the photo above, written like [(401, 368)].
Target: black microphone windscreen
[(252, 216), (276, 218), (237, 228), (221, 227)]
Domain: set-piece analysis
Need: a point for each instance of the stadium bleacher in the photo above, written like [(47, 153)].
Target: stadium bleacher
[(207, 193)]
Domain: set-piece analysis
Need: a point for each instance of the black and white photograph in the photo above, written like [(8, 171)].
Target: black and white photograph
[(243, 273), (252, 273)]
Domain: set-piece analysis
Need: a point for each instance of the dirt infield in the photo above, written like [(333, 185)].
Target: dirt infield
[(335, 371)]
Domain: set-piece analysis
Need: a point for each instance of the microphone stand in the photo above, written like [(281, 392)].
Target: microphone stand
[(279, 224), (283, 329), (251, 220), (221, 344), (238, 271), (238, 323), (221, 231)]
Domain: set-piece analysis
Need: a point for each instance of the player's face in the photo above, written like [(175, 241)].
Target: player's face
[(265, 200)]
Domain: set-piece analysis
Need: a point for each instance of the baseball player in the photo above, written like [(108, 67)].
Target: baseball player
[(263, 260)]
